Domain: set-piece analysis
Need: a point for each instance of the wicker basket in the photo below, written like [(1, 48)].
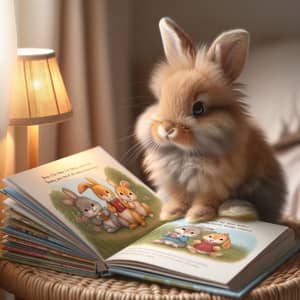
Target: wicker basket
[(34, 283)]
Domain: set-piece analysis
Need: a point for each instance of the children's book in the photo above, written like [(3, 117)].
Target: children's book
[(87, 215)]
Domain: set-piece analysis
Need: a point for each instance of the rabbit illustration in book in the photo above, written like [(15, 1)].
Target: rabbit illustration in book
[(127, 216), (202, 149), (211, 244), (127, 195), (92, 210), (180, 236)]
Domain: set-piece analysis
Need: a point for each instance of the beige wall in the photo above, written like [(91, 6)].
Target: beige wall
[(203, 20)]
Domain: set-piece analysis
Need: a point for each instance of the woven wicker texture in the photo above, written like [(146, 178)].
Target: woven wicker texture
[(34, 283)]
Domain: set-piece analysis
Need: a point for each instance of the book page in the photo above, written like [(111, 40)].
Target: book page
[(214, 251), (97, 198)]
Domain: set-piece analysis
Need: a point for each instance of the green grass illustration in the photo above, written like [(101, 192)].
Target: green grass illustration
[(234, 253), (109, 243)]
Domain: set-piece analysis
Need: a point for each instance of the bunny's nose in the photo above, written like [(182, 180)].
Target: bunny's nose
[(167, 129), (167, 125)]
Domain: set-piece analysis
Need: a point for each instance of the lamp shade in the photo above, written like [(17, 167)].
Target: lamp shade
[(38, 93)]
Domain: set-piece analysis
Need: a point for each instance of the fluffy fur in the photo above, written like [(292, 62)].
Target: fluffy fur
[(197, 163)]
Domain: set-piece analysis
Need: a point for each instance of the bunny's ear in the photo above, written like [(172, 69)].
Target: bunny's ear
[(227, 243), (91, 180), (68, 202), (124, 183), (83, 186), (178, 47), (229, 50), (71, 195), (108, 180)]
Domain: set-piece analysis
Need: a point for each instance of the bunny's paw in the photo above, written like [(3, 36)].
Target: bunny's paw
[(199, 213), (171, 211)]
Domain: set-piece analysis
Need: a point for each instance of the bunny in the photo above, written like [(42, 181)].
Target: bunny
[(201, 146), (211, 244), (180, 236), (127, 217), (130, 197), (91, 209)]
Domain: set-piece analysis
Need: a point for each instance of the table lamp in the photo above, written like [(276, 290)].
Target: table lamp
[(38, 95)]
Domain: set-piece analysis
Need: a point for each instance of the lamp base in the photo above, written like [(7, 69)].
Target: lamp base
[(33, 145)]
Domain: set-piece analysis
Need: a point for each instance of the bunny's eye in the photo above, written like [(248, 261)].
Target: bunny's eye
[(86, 209), (92, 204), (198, 109)]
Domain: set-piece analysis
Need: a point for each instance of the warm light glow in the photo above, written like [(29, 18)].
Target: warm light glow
[(38, 92), (36, 84), (35, 52)]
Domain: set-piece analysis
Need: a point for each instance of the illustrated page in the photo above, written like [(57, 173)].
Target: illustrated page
[(214, 251), (101, 201)]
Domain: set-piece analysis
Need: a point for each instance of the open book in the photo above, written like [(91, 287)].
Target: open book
[(86, 214)]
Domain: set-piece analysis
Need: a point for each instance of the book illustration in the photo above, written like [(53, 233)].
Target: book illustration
[(96, 206), (128, 196), (180, 236), (127, 215), (110, 208), (211, 244), (92, 210), (202, 240)]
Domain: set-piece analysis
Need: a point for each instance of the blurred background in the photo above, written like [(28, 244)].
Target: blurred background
[(107, 48)]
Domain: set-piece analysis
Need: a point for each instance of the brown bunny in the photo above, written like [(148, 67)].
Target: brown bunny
[(201, 146), (127, 195)]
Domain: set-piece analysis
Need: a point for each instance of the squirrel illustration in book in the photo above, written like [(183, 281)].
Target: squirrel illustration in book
[(203, 152), (125, 207)]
